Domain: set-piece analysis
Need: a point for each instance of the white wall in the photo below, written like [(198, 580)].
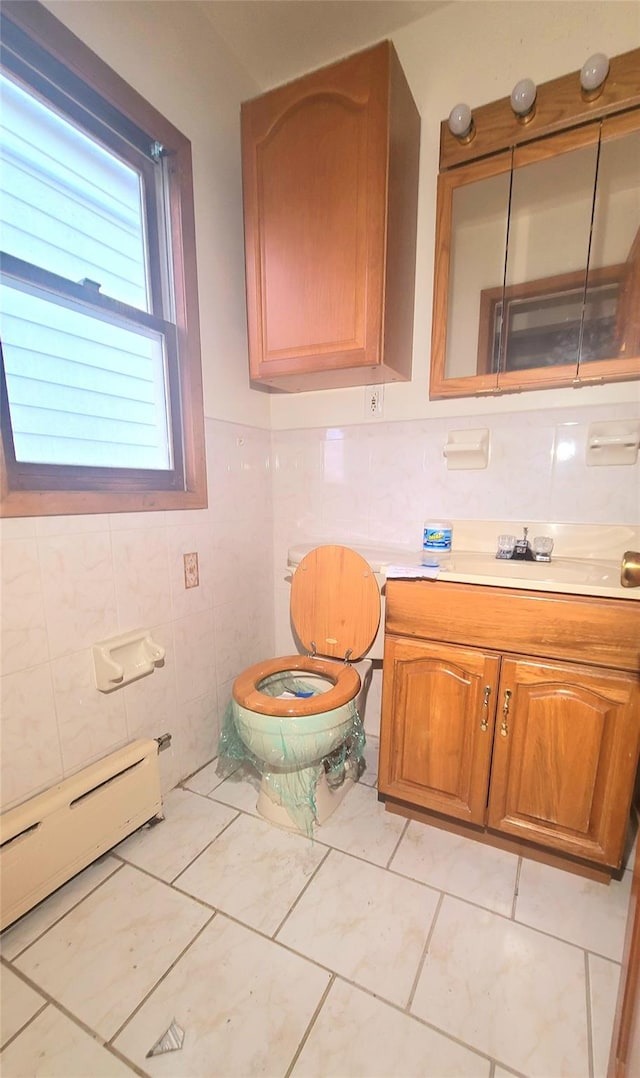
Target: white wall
[(68, 582), (474, 51)]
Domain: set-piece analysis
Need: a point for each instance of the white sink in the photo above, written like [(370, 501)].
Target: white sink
[(573, 576), (605, 574)]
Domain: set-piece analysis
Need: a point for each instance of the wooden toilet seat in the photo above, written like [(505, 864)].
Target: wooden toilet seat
[(335, 609), (346, 684)]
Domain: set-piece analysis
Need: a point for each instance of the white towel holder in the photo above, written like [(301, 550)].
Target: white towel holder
[(467, 449)]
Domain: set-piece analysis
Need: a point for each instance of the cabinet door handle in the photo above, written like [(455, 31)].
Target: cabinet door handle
[(484, 722), (504, 729)]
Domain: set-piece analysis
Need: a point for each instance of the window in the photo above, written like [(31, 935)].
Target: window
[(101, 392)]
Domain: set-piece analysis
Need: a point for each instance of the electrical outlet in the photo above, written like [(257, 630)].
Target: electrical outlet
[(191, 574), (373, 401)]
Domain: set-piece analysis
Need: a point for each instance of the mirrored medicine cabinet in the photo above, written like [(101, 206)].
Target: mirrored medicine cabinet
[(537, 259)]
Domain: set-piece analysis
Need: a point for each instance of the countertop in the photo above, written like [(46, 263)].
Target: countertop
[(572, 575)]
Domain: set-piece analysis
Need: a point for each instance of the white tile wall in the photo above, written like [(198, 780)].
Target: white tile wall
[(380, 481), (70, 581)]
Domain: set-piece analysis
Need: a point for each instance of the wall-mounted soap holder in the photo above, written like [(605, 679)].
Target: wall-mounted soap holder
[(124, 658), (614, 441), (467, 449)]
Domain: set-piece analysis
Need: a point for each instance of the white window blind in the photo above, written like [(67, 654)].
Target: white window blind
[(83, 390), (85, 386), (68, 205)]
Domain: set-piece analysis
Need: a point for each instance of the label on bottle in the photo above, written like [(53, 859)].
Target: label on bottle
[(437, 537)]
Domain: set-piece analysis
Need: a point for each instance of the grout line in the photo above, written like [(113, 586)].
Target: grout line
[(310, 1026), (51, 1001), (162, 978), (66, 913), (207, 847), (25, 1025), (516, 890), (587, 988), (423, 956), (302, 892), (395, 848), (416, 1018)]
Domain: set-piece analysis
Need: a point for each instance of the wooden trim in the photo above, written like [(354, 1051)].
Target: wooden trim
[(186, 383), (579, 628), (613, 115), (559, 105), (555, 286), (440, 385), (624, 1061)]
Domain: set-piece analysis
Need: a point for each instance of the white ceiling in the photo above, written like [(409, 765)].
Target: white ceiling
[(277, 40)]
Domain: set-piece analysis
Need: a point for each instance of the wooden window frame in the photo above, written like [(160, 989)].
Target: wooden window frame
[(551, 288), (40, 490)]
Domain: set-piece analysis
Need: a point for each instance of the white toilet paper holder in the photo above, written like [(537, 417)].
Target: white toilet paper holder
[(124, 658)]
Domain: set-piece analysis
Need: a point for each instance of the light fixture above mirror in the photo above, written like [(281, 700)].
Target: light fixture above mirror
[(523, 100), (461, 123), (593, 75), (537, 256)]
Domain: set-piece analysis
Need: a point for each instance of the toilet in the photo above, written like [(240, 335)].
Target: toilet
[(302, 743)]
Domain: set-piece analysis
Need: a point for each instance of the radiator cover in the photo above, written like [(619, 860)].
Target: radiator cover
[(51, 837)]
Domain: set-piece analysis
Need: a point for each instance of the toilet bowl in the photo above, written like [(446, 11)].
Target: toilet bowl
[(304, 743)]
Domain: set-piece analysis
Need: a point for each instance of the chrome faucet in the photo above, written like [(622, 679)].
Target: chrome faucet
[(522, 550)]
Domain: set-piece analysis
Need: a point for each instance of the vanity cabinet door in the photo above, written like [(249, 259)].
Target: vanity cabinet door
[(566, 747), (438, 714)]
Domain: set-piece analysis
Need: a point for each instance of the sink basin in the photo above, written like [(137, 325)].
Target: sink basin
[(557, 571)]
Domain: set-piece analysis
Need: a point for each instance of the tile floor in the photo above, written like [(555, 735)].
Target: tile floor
[(383, 948)]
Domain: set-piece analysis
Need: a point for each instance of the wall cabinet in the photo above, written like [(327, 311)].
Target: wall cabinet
[(330, 179), (537, 261), (540, 749)]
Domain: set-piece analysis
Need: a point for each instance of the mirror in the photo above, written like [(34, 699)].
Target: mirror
[(478, 241), (537, 268), (612, 311), (546, 259)]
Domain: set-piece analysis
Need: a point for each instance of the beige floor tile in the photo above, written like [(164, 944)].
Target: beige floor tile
[(165, 849), (371, 753), (19, 935), (508, 991), (364, 923), (604, 977), (254, 872), (459, 866), (359, 1036), (238, 792), (205, 780), (18, 1003), (109, 951), (361, 826), (244, 1003), (55, 1047), (582, 911)]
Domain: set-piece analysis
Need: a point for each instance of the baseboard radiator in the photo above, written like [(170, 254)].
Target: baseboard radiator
[(46, 840)]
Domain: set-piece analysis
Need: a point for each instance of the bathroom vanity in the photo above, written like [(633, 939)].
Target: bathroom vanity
[(513, 715)]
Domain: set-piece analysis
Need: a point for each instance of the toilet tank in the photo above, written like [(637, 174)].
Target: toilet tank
[(377, 557)]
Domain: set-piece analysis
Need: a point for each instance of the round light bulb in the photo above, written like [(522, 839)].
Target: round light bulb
[(523, 97), (594, 71), (460, 121)]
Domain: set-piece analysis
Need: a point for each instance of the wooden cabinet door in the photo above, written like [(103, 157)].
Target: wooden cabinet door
[(314, 170), (330, 186), (565, 756), (438, 712)]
